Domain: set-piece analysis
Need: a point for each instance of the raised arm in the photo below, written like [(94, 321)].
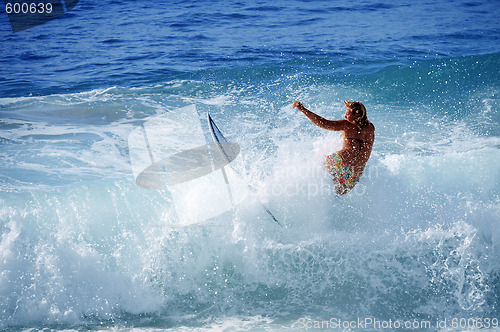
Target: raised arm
[(321, 122)]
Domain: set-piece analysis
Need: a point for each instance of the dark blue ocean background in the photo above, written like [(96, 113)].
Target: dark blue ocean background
[(82, 247)]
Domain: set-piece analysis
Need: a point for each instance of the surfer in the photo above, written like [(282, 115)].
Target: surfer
[(347, 165)]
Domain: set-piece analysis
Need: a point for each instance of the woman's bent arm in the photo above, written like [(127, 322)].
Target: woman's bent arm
[(321, 121)]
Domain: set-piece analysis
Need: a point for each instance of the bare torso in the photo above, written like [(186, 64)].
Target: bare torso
[(358, 143), (357, 147)]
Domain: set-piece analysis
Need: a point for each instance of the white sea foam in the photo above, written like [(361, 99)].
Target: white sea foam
[(82, 245)]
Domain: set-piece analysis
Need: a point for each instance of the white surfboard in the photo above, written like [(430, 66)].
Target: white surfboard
[(170, 152)]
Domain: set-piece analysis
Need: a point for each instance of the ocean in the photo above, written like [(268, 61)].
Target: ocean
[(416, 245)]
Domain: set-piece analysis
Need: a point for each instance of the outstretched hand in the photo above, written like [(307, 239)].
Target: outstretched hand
[(298, 105)]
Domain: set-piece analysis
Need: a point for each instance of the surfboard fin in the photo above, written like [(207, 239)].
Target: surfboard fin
[(221, 142)]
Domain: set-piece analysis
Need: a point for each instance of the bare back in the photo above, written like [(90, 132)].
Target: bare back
[(358, 143), (357, 146)]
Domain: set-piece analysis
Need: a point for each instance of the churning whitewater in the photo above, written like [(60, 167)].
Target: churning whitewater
[(84, 247)]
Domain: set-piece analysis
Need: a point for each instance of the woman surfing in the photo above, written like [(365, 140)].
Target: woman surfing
[(347, 165)]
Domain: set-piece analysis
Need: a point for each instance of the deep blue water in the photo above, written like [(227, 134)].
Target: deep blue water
[(118, 43), (83, 247)]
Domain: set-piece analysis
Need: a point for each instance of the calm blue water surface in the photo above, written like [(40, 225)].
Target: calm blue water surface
[(82, 247), (139, 43)]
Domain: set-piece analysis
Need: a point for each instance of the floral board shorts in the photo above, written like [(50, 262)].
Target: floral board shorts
[(340, 171)]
